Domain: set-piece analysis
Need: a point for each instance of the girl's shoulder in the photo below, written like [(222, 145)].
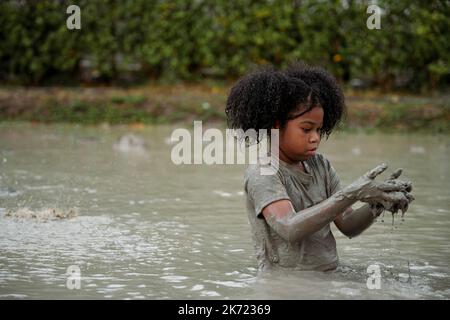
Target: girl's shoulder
[(258, 174), (259, 170), (317, 163)]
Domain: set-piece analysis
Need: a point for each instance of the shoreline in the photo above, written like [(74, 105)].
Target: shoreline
[(182, 104)]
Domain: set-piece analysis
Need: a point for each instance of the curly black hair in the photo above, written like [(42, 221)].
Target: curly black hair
[(330, 94), (266, 97)]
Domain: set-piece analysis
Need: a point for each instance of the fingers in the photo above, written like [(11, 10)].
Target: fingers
[(396, 174), (409, 188), (405, 208), (395, 185), (394, 197), (389, 187), (410, 197), (397, 201), (389, 199), (372, 174)]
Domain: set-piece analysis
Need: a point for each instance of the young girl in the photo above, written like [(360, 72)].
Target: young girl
[(290, 212)]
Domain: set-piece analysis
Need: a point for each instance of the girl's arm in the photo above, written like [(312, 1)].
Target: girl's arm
[(353, 222), (294, 226)]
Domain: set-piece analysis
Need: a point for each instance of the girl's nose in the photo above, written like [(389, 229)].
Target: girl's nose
[(315, 137)]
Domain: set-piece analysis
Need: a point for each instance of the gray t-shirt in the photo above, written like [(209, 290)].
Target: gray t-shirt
[(303, 189)]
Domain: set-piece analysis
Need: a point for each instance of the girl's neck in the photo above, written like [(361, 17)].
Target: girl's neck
[(288, 160)]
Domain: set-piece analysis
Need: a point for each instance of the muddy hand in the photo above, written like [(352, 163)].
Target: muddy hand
[(396, 200), (367, 189), (393, 179), (401, 205)]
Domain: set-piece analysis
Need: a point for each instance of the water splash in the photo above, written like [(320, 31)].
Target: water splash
[(40, 215)]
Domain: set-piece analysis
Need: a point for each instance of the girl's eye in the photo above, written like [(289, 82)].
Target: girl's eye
[(306, 130)]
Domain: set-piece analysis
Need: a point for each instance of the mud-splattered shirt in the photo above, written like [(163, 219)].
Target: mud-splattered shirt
[(303, 189)]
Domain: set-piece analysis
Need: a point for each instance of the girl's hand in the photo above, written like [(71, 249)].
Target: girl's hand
[(394, 207), (368, 190)]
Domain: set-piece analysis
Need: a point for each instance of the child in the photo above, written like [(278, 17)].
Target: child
[(290, 212)]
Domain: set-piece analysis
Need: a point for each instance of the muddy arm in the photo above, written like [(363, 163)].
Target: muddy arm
[(294, 226), (353, 222)]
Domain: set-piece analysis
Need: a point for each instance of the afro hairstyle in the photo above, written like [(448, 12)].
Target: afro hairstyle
[(267, 97), (326, 87)]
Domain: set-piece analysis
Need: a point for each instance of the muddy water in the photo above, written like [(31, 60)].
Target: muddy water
[(147, 229)]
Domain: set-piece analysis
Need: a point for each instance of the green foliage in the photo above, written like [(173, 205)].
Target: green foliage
[(190, 39), (86, 113)]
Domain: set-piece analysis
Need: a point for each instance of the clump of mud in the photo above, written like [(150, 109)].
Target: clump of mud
[(41, 215)]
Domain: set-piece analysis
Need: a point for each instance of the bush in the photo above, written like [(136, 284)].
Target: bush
[(130, 40)]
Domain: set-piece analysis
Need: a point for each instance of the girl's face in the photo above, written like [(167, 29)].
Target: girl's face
[(300, 137)]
